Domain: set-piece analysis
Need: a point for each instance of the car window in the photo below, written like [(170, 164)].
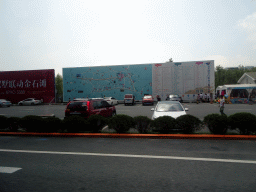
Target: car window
[(78, 106), (105, 104), (97, 104), (168, 107), (128, 96), (147, 97)]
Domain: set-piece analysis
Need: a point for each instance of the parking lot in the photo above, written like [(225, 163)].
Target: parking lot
[(198, 110)]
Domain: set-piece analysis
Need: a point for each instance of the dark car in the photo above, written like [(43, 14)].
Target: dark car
[(174, 98), (88, 107)]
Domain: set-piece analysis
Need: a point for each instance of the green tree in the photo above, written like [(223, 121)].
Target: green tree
[(59, 87), (229, 76)]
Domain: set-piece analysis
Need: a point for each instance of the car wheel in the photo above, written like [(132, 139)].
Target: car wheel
[(32, 103), (20, 104)]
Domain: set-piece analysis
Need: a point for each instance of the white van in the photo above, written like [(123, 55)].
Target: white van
[(129, 99)]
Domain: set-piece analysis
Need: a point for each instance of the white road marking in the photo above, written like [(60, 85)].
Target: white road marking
[(9, 169), (133, 156)]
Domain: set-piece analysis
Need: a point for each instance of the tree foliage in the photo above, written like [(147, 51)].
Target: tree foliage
[(59, 87), (229, 76)]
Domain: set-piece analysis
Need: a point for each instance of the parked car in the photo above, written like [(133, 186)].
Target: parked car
[(129, 99), (30, 101), (88, 107), (174, 98), (148, 99), (168, 108), (4, 102), (111, 100)]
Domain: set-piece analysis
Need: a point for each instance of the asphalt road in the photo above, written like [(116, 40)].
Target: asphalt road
[(198, 110), (93, 164)]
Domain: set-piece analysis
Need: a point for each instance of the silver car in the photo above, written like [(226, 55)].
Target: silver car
[(111, 100), (4, 102), (168, 108), (174, 98), (30, 101)]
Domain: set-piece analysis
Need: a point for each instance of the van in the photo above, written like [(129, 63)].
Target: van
[(129, 99)]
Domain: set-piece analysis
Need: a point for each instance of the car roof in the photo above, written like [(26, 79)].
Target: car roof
[(168, 102)]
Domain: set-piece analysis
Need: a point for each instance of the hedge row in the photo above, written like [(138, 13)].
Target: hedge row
[(216, 123)]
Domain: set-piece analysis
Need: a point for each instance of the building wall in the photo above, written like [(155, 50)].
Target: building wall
[(114, 81), (184, 78), (247, 80)]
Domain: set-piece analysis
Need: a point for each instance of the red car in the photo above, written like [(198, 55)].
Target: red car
[(88, 107), (148, 99)]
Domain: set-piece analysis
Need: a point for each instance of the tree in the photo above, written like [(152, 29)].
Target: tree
[(229, 76), (59, 87)]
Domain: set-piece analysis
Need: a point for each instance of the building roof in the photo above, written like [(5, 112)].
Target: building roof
[(251, 75)]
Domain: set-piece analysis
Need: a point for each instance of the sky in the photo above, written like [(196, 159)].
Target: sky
[(56, 34)]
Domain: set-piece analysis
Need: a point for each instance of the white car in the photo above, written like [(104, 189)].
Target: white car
[(4, 102), (111, 100), (168, 108), (30, 101)]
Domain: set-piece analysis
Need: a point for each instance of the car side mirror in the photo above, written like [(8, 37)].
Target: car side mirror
[(152, 109), (186, 109)]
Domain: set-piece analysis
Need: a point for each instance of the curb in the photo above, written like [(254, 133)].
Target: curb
[(141, 136)]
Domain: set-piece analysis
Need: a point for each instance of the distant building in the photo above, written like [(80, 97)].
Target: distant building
[(232, 68), (248, 78), (248, 67)]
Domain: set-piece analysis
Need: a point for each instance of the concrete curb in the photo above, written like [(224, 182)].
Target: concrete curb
[(142, 136)]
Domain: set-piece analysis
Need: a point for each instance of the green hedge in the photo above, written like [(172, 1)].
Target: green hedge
[(216, 123), (244, 121), (121, 123), (188, 123), (164, 124), (142, 124)]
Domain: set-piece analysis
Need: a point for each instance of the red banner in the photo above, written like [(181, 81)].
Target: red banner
[(16, 86)]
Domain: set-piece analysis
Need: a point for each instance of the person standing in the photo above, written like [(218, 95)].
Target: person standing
[(222, 101), (198, 99)]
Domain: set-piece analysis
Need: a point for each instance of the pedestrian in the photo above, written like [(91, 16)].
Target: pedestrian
[(201, 97), (198, 99), (222, 101)]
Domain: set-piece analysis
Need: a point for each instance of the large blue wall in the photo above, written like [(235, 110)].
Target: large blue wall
[(114, 81)]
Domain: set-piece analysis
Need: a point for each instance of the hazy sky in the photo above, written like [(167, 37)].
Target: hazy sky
[(53, 34)]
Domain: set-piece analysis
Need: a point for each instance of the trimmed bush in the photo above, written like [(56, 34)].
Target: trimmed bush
[(121, 123), (188, 123), (216, 123), (33, 123), (142, 124), (52, 124), (75, 124), (14, 123), (244, 121), (4, 122), (96, 123), (164, 124)]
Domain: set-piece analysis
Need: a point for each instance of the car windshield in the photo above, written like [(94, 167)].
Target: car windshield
[(77, 106), (147, 97), (165, 107)]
